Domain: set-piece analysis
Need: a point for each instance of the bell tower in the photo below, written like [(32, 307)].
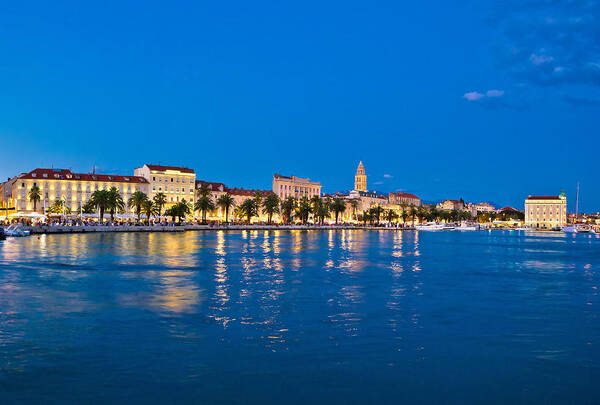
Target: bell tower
[(360, 179)]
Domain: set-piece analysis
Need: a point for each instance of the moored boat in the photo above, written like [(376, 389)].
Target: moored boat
[(16, 231)]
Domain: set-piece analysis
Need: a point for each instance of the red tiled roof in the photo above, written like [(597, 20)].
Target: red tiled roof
[(543, 197), (507, 208), (247, 192), (212, 185), (65, 174), (160, 168), (406, 195)]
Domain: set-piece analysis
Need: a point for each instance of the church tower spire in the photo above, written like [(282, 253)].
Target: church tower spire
[(360, 179)]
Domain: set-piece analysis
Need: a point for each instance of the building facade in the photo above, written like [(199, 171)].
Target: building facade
[(74, 189), (546, 212), (297, 187), (451, 205), (177, 183), (404, 199), (360, 178)]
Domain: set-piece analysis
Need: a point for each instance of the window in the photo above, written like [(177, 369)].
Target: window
[(153, 178), (171, 179)]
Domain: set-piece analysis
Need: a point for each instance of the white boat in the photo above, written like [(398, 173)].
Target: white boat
[(465, 226), (429, 227), (569, 229), (16, 231)]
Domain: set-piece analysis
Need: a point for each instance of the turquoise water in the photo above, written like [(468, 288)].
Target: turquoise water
[(300, 317)]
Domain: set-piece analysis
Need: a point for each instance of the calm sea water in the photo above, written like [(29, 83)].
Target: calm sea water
[(349, 317)]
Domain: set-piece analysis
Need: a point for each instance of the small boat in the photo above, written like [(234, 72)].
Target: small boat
[(16, 231), (569, 229), (2, 236), (468, 226), (429, 227)]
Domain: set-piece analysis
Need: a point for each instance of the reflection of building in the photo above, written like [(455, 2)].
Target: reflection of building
[(360, 179), (546, 211), (296, 187), (74, 189), (177, 183), (451, 205), (404, 198)]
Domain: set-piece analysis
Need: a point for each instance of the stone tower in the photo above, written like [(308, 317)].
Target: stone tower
[(360, 179)]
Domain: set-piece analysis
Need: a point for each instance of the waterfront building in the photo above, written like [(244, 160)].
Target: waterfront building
[(404, 199), (451, 205), (239, 196), (177, 183), (74, 189), (360, 178), (297, 187), (7, 203), (546, 212)]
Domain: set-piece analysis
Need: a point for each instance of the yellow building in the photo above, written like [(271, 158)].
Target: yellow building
[(360, 178), (177, 183), (404, 198), (296, 187), (546, 212), (451, 205), (74, 189)]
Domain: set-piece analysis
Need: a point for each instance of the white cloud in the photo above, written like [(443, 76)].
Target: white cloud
[(473, 96), (378, 182), (540, 59), (387, 176), (494, 93)]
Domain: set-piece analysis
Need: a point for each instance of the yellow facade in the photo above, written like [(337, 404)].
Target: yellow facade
[(546, 212), (74, 189), (360, 178), (177, 183), (297, 187)]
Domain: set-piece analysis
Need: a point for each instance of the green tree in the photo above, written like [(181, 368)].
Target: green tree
[(338, 206), (270, 206), (179, 210), (390, 215), (149, 209), (248, 209), (115, 202), (100, 200), (304, 209), (160, 200), (204, 203), (376, 212), (226, 202), (354, 204), (35, 196), (58, 208), (287, 209), (136, 201)]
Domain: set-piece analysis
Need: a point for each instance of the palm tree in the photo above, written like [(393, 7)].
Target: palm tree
[(204, 204), (258, 200), (179, 210), (304, 209), (367, 216), (390, 215), (58, 208), (271, 206), (354, 204), (160, 200), (35, 196), (149, 209), (413, 214), (226, 202), (204, 190), (404, 216), (115, 202), (338, 206), (100, 200), (136, 200), (248, 209), (376, 211), (287, 208)]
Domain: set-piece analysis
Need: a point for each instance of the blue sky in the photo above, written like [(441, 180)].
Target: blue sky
[(481, 100)]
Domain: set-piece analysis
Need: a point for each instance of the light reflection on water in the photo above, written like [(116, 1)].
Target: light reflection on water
[(333, 305)]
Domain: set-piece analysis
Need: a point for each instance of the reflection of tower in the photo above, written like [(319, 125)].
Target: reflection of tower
[(360, 179)]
